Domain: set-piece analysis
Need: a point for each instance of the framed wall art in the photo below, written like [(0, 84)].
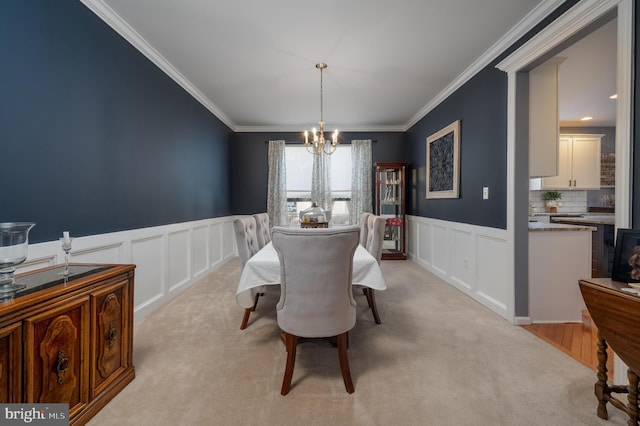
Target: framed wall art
[(443, 162), (626, 259)]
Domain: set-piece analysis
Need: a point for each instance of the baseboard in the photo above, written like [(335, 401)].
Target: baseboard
[(522, 321)]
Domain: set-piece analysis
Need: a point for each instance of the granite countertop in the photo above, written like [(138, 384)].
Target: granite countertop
[(573, 214), (541, 226), (596, 220), (559, 214)]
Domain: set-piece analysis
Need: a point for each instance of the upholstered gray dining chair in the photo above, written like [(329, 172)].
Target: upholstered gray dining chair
[(316, 299), (262, 229), (364, 228), (373, 244), (247, 242)]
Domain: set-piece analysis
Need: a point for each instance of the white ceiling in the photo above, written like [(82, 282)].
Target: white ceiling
[(252, 62), (587, 77)]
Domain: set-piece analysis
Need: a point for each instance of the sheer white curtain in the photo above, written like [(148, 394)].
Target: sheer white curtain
[(361, 189), (321, 181), (277, 184)]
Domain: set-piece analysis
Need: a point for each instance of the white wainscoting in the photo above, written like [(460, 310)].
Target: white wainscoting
[(470, 258), (168, 258)]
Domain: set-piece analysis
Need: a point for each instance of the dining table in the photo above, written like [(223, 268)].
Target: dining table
[(263, 268)]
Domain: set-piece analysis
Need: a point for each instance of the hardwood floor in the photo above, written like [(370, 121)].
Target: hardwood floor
[(578, 340)]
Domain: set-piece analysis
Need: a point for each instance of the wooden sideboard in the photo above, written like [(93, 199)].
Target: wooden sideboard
[(616, 314), (68, 339)]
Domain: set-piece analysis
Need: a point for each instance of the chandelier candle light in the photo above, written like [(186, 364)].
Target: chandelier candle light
[(318, 145)]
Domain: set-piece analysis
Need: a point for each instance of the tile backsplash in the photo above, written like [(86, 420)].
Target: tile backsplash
[(571, 202)]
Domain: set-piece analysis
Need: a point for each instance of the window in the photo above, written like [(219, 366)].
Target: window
[(299, 164)]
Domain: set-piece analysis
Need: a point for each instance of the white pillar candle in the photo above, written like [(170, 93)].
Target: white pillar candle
[(65, 235)]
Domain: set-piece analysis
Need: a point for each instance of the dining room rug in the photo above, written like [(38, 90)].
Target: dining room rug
[(438, 358)]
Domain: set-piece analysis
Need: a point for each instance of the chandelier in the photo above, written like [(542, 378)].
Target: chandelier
[(317, 144)]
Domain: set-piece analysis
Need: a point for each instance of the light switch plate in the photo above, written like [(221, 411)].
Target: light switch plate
[(485, 192)]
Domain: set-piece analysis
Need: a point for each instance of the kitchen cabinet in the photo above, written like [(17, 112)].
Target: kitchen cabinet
[(391, 204), (544, 119), (68, 339), (579, 163)]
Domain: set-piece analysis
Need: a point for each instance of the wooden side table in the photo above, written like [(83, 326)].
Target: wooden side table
[(616, 313)]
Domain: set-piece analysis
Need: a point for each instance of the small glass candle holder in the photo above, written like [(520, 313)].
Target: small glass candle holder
[(66, 248)]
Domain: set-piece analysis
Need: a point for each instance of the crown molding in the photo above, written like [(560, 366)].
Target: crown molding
[(582, 14), (111, 18), (300, 129), (520, 29)]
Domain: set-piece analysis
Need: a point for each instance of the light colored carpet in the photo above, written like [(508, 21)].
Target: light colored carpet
[(438, 358)]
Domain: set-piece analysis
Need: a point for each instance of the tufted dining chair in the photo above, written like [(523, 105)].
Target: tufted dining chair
[(316, 299), (373, 244), (247, 241), (364, 228), (262, 229)]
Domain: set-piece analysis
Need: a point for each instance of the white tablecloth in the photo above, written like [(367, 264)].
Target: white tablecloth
[(263, 268)]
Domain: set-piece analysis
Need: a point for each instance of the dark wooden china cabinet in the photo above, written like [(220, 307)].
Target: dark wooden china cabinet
[(68, 340), (390, 203)]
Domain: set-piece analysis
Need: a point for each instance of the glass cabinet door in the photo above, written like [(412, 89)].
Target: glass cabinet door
[(390, 204)]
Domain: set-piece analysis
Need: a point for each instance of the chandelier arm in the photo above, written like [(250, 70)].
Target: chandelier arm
[(332, 148), (310, 149)]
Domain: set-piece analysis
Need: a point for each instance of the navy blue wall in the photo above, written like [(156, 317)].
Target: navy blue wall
[(251, 168), (480, 105), (95, 138)]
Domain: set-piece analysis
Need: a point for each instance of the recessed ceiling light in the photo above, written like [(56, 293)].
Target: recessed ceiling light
[(587, 118), (614, 96)]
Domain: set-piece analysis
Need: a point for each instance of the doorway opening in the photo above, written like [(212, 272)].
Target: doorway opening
[(573, 25)]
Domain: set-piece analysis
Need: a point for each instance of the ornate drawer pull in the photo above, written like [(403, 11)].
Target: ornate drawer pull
[(62, 367), (113, 333)]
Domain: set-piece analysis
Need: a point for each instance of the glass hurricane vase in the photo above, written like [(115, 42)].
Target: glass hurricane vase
[(14, 241)]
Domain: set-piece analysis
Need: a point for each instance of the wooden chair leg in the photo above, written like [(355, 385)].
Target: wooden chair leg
[(247, 312), (291, 342), (344, 362), (371, 298), (245, 318), (367, 293), (255, 301)]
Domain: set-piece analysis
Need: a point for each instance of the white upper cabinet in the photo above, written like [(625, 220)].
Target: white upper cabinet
[(543, 119), (578, 163)]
